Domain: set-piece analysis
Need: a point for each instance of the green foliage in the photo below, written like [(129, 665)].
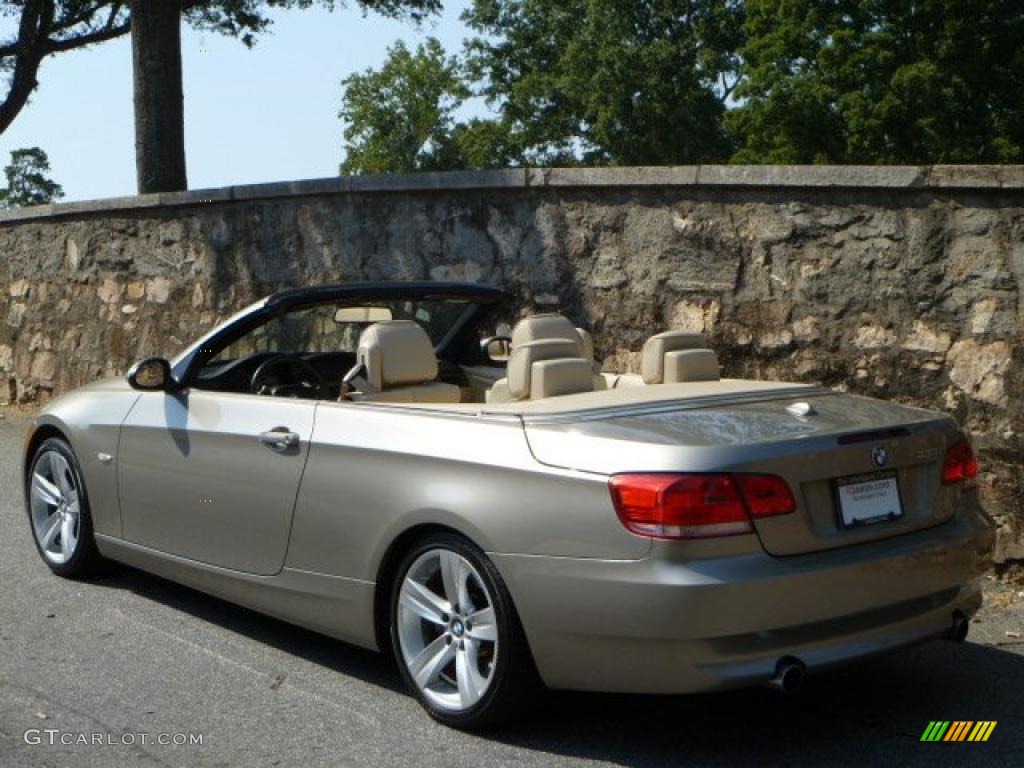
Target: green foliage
[(28, 181), (246, 19), (881, 81), (609, 81), (400, 118)]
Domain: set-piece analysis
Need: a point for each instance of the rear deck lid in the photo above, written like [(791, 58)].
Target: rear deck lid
[(850, 461)]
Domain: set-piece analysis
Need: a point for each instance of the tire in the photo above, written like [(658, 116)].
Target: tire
[(467, 680), (58, 512)]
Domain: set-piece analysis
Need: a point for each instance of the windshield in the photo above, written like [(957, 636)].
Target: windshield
[(336, 327)]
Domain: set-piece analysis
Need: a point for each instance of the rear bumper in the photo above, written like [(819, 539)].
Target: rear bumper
[(661, 625)]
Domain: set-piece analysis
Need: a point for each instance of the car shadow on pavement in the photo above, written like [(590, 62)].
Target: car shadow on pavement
[(344, 658), (870, 713)]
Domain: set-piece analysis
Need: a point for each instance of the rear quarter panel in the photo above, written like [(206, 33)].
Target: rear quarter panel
[(376, 471)]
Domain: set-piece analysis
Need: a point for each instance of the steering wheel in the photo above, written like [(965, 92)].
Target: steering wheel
[(288, 376)]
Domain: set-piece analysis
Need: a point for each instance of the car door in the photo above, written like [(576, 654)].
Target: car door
[(213, 476)]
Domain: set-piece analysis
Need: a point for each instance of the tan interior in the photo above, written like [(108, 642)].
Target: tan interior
[(544, 368), (653, 356), (395, 362), (690, 365), (550, 357), (556, 378), (546, 326)]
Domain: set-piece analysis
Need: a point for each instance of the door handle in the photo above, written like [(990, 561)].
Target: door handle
[(280, 439)]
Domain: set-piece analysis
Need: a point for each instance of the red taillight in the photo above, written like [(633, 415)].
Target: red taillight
[(960, 463), (766, 495), (695, 506)]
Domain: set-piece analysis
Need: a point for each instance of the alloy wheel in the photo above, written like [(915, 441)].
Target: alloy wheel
[(55, 507), (447, 631)]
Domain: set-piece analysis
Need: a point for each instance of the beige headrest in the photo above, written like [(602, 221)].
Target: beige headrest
[(521, 368), (691, 365), (652, 357), (537, 327), (396, 352), (552, 326), (587, 342)]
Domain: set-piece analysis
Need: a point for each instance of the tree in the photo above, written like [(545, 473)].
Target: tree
[(609, 81), (44, 28), (156, 57), (28, 181), (49, 27), (881, 81), (399, 118), (159, 96)]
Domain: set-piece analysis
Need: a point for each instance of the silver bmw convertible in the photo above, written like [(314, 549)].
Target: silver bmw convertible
[(394, 465)]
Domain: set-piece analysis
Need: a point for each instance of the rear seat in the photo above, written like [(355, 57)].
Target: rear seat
[(548, 327), (545, 368), (667, 358), (677, 356)]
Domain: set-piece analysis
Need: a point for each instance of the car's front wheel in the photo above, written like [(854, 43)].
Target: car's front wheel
[(457, 637), (58, 509)]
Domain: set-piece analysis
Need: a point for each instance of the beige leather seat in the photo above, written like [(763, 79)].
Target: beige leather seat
[(678, 356), (545, 368), (552, 326), (548, 327), (395, 362)]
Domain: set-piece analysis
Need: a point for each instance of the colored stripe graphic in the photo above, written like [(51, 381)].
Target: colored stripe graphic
[(935, 730), (982, 730), (958, 730)]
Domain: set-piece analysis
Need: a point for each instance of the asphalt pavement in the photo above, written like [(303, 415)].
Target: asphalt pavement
[(132, 658)]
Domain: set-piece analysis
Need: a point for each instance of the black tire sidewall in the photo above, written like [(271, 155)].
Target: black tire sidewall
[(510, 644), (85, 556)]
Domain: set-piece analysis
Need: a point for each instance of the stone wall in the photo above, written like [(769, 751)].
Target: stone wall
[(903, 283)]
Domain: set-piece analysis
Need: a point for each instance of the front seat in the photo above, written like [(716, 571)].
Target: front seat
[(395, 362)]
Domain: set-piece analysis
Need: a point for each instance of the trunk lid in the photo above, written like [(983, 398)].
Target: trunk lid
[(840, 438)]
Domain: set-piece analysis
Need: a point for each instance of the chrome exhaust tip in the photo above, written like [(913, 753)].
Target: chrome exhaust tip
[(961, 625), (789, 675)]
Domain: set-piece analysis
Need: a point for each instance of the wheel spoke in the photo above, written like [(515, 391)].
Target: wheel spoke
[(452, 576), (470, 682), (52, 528), (422, 601), (45, 490), (431, 661), (59, 466), (482, 626), (67, 536)]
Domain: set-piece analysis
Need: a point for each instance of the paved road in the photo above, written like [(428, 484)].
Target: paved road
[(133, 654)]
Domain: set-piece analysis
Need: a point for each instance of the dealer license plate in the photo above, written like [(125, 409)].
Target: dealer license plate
[(869, 498)]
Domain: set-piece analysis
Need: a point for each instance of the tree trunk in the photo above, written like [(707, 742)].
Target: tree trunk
[(159, 100), (36, 18)]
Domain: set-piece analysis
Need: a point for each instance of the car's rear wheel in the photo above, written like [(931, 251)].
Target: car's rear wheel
[(457, 637), (58, 509)]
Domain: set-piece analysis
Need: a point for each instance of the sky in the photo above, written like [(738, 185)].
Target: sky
[(265, 114)]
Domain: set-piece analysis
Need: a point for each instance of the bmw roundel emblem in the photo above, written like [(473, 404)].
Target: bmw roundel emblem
[(880, 456)]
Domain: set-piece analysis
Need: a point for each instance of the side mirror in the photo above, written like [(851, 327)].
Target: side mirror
[(151, 374), (497, 348)]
